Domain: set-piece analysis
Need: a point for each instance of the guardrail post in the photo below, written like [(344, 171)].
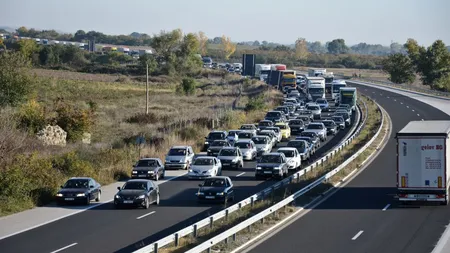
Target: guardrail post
[(211, 221), (195, 231), (177, 239), (252, 201), (240, 205), (208, 250), (226, 240), (226, 214), (155, 247), (249, 228), (262, 220), (234, 237)]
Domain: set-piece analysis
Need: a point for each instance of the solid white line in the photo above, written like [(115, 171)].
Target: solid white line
[(357, 235), (386, 207), (140, 217), (238, 175), (63, 248), (413, 110), (76, 212)]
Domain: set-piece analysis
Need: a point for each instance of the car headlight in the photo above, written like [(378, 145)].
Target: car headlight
[(182, 161), (291, 161), (276, 168), (167, 161), (150, 172), (235, 160), (117, 197), (81, 195), (206, 143), (220, 193), (209, 150), (59, 195), (134, 172), (258, 168), (200, 193), (141, 197), (190, 171)]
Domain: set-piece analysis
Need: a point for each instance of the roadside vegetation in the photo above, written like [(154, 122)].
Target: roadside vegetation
[(183, 107), (372, 125)]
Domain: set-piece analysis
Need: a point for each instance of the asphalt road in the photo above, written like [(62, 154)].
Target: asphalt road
[(363, 216), (105, 229)]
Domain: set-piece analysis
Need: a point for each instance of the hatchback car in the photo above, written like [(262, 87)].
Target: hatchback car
[(137, 193), (264, 124), (332, 127), (205, 166), (296, 125), (231, 158), (263, 144), (212, 136), (272, 165), (339, 121), (293, 157), (249, 128), (285, 130), (248, 149)]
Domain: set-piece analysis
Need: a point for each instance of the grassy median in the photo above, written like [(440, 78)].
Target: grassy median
[(219, 226)]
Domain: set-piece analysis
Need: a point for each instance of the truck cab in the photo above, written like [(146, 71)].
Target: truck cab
[(316, 87), (347, 95)]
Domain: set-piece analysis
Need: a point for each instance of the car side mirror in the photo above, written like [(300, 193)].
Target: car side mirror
[(91, 186), (118, 188), (200, 185), (151, 189)]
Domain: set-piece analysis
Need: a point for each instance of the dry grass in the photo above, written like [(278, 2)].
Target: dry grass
[(238, 47), (70, 75)]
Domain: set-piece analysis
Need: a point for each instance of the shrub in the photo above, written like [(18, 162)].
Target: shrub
[(187, 86), (256, 103), (31, 116)]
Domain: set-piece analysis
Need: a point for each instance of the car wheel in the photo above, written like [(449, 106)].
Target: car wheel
[(157, 199), (147, 203), (88, 200), (99, 196), (157, 176)]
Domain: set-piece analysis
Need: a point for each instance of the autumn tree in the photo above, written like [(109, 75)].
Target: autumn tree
[(203, 43), (301, 49), (228, 47)]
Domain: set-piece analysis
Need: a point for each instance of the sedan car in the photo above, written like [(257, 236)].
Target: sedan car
[(311, 145), (339, 121), (248, 149), (302, 146), (306, 120), (293, 157), (245, 135), (205, 166), (272, 165), (345, 116), (316, 111), (318, 128), (314, 137), (323, 103), (307, 113), (214, 135), (216, 189), (272, 135), (264, 124), (215, 147), (231, 158), (263, 144), (79, 190), (149, 168), (137, 193), (232, 136), (332, 127), (249, 127), (277, 131), (297, 126)]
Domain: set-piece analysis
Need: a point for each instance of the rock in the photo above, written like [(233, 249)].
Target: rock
[(86, 139), (52, 135)]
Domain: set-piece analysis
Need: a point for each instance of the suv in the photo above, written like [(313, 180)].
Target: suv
[(231, 157), (179, 157), (272, 165), (318, 128), (214, 135)]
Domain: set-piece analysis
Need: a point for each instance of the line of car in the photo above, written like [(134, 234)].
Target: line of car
[(228, 150)]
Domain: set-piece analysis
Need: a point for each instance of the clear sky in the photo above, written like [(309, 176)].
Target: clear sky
[(370, 21)]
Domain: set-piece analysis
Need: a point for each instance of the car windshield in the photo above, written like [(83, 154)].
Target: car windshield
[(275, 129), (259, 140), (315, 126), (273, 114), (337, 87), (219, 144), (313, 107), (214, 182), (177, 152), (265, 123), (228, 152), (287, 153), (203, 161), (295, 122), (327, 123), (216, 136), (147, 163), (270, 159), (233, 133), (247, 127), (135, 186), (316, 90), (244, 135), (77, 183), (338, 119), (242, 145), (310, 134), (297, 144), (321, 101)]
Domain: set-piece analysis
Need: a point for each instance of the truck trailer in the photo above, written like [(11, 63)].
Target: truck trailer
[(347, 95), (422, 162)]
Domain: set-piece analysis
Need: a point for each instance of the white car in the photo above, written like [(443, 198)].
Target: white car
[(248, 149), (245, 135), (318, 128), (277, 131), (205, 166), (293, 157)]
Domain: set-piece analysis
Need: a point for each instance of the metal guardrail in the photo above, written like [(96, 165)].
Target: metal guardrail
[(208, 221), (232, 232)]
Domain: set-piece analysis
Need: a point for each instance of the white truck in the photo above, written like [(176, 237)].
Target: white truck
[(335, 86), (316, 72), (423, 162), (262, 71), (315, 87)]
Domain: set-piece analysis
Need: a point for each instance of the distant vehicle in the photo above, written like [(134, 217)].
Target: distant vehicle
[(137, 192), (248, 149), (214, 135), (245, 135), (179, 157), (345, 116), (297, 126), (264, 124), (314, 138), (231, 157), (306, 120), (271, 134), (79, 190), (315, 87), (277, 131), (316, 72), (285, 130), (148, 168), (348, 95), (423, 155), (316, 111), (339, 120), (332, 127), (323, 103), (336, 86), (216, 189), (262, 71), (272, 165), (207, 62), (318, 128), (310, 149), (232, 136), (249, 127), (205, 166), (274, 116), (293, 157), (263, 144), (216, 146)]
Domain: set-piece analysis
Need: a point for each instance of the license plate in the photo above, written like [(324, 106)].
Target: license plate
[(226, 164), (421, 196), (142, 175), (69, 199), (267, 172), (128, 201), (209, 197)]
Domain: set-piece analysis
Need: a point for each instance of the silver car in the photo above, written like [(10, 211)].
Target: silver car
[(232, 136), (319, 128), (339, 121), (315, 109), (246, 135), (248, 149), (272, 135), (231, 157), (263, 144), (205, 166), (249, 127), (277, 132), (179, 157)]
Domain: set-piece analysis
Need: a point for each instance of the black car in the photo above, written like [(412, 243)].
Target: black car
[(297, 126), (306, 119), (306, 113), (272, 165), (283, 109), (216, 189), (215, 147), (137, 193), (345, 116), (274, 116), (314, 137), (264, 124), (149, 168), (332, 127), (79, 190), (214, 135)]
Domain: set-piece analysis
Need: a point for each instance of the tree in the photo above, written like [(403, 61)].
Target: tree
[(15, 84), (396, 48), (27, 47), (400, 68), (434, 63), (22, 31), (414, 52), (203, 40), (79, 35), (317, 47), (228, 47), (147, 59), (337, 46), (217, 40), (301, 49), (256, 43)]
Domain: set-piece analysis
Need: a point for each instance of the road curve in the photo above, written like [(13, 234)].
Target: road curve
[(105, 229), (363, 216)]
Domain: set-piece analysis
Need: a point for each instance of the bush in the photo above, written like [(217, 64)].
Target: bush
[(255, 104), (31, 116), (187, 86)]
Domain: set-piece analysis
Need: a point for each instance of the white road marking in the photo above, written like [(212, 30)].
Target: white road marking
[(418, 115), (357, 235), (386, 207), (401, 103), (140, 217), (413, 110), (238, 175), (422, 120), (63, 248), (407, 106), (395, 100)]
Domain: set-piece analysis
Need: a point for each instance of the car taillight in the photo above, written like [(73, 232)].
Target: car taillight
[(440, 196), (402, 195)]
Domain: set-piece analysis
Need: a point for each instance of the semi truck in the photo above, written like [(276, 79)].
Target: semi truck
[(347, 95), (329, 78), (262, 71), (423, 162), (315, 87), (316, 72), (289, 79), (335, 86), (278, 67)]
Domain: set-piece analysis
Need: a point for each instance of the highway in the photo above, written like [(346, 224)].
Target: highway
[(105, 229), (363, 216)]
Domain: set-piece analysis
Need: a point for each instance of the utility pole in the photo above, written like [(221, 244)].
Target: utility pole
[(146, 92)]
